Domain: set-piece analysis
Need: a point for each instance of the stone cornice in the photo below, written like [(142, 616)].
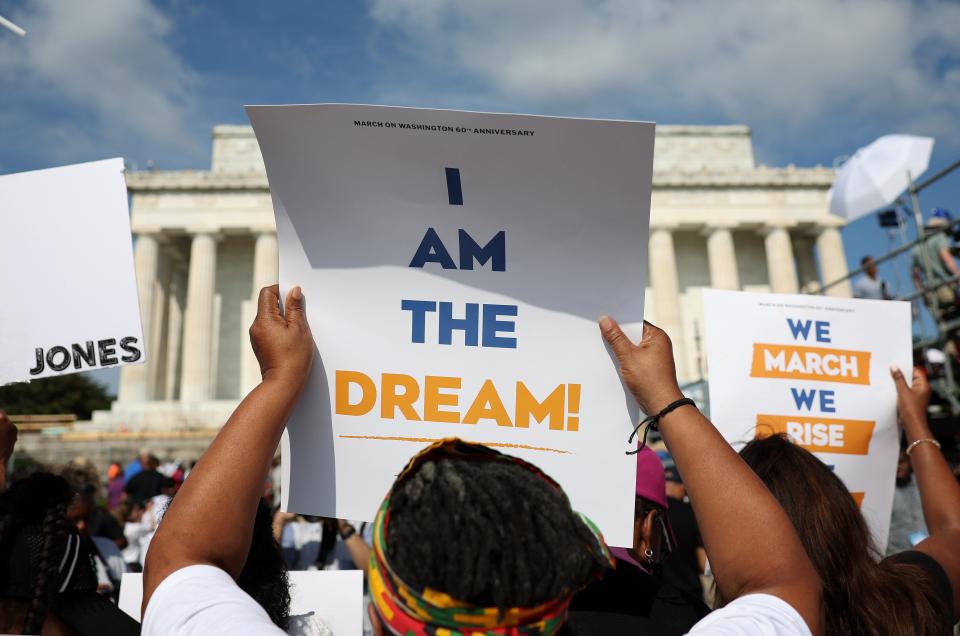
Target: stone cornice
[(762, 177), (790, 177), (692, 130), (173, 180)]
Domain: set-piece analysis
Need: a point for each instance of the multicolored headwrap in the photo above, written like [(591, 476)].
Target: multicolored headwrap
[(407, 612)]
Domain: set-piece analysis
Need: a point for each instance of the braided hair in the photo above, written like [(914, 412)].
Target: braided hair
[(37, 502), (491, 533)]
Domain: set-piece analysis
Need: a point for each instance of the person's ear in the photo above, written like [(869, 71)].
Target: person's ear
[(649, 529), (375, 621)]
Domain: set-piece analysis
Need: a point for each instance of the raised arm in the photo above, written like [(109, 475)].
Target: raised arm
[(210, 521), (751, 544), (356, 546), (939, 490)]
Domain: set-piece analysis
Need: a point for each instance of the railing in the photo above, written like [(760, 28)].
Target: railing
[(948, 388), (924, 234)]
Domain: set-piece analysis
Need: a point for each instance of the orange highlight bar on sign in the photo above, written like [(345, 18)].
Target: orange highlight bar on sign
[(820, 434), (810, 363), (857, 498)]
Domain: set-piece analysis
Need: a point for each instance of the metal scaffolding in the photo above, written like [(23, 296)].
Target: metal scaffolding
[(947, 325)]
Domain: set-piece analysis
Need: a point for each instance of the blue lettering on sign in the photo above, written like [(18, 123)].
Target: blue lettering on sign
[(469, 325), (432, 250), (419, 308), (454, 191), (823, 331), (495, 249), (799, 327), (803, 399), (492, 327), (802, 328)]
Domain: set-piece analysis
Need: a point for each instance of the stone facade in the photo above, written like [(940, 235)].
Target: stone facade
[(206, 243)]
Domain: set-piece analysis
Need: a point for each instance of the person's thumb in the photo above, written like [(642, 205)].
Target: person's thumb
[(293, 308), (268, 303), (898, 378), (615, 337)]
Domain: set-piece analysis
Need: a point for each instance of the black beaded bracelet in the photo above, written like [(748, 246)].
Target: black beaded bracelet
[(652, 422)]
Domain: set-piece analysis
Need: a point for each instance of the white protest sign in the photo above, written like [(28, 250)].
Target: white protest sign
[(67, 277), (333, 596), (818, 369), (454, 265)]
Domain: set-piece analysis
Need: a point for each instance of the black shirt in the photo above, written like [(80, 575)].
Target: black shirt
[(101, 523), (681, 568), (937, 575), (144, 485), (630, 592)]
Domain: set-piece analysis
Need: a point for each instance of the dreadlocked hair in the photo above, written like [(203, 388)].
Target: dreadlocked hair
[(489, 533), (40, 499), (264, 575)]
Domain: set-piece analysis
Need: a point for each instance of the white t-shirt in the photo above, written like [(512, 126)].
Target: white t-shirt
[(202, 600), (753, 615)]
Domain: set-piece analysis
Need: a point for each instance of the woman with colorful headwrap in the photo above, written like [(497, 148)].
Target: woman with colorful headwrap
[(472, 541)]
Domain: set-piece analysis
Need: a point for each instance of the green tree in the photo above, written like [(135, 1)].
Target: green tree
[(75, 393)]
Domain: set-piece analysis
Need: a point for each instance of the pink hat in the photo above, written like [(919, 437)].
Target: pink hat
[(651, 483), (652, 486)]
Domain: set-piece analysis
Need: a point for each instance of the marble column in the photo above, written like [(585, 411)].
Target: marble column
[(265, 273), (780, 265), (666, 291), (833, 261), (722, 258), (198, 321), (806, 264), (157, 344), (134, 386), (265, 262), (174, 333)]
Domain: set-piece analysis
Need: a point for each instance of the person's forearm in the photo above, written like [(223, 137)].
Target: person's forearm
[(751, 544), (947, 258), (225, 486), (939, 490), (359, 552), (280, 520)]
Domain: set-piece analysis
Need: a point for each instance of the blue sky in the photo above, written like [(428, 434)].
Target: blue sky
[(147, 79)]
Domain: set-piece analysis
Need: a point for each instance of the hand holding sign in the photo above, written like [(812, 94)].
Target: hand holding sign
[(912, 400), (647, 368), (283, 344)]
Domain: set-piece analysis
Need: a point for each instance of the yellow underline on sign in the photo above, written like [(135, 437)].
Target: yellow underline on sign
[(437, 439)]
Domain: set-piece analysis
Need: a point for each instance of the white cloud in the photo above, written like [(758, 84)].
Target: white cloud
[(105, 61), (777, 62)]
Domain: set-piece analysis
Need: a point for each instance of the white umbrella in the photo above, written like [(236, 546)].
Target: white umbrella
[(877, 174)]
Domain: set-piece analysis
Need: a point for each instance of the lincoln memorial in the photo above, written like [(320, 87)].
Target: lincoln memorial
[(205, 243)]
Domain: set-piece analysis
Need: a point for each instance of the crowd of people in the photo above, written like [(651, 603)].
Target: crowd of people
[(472, 541)]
